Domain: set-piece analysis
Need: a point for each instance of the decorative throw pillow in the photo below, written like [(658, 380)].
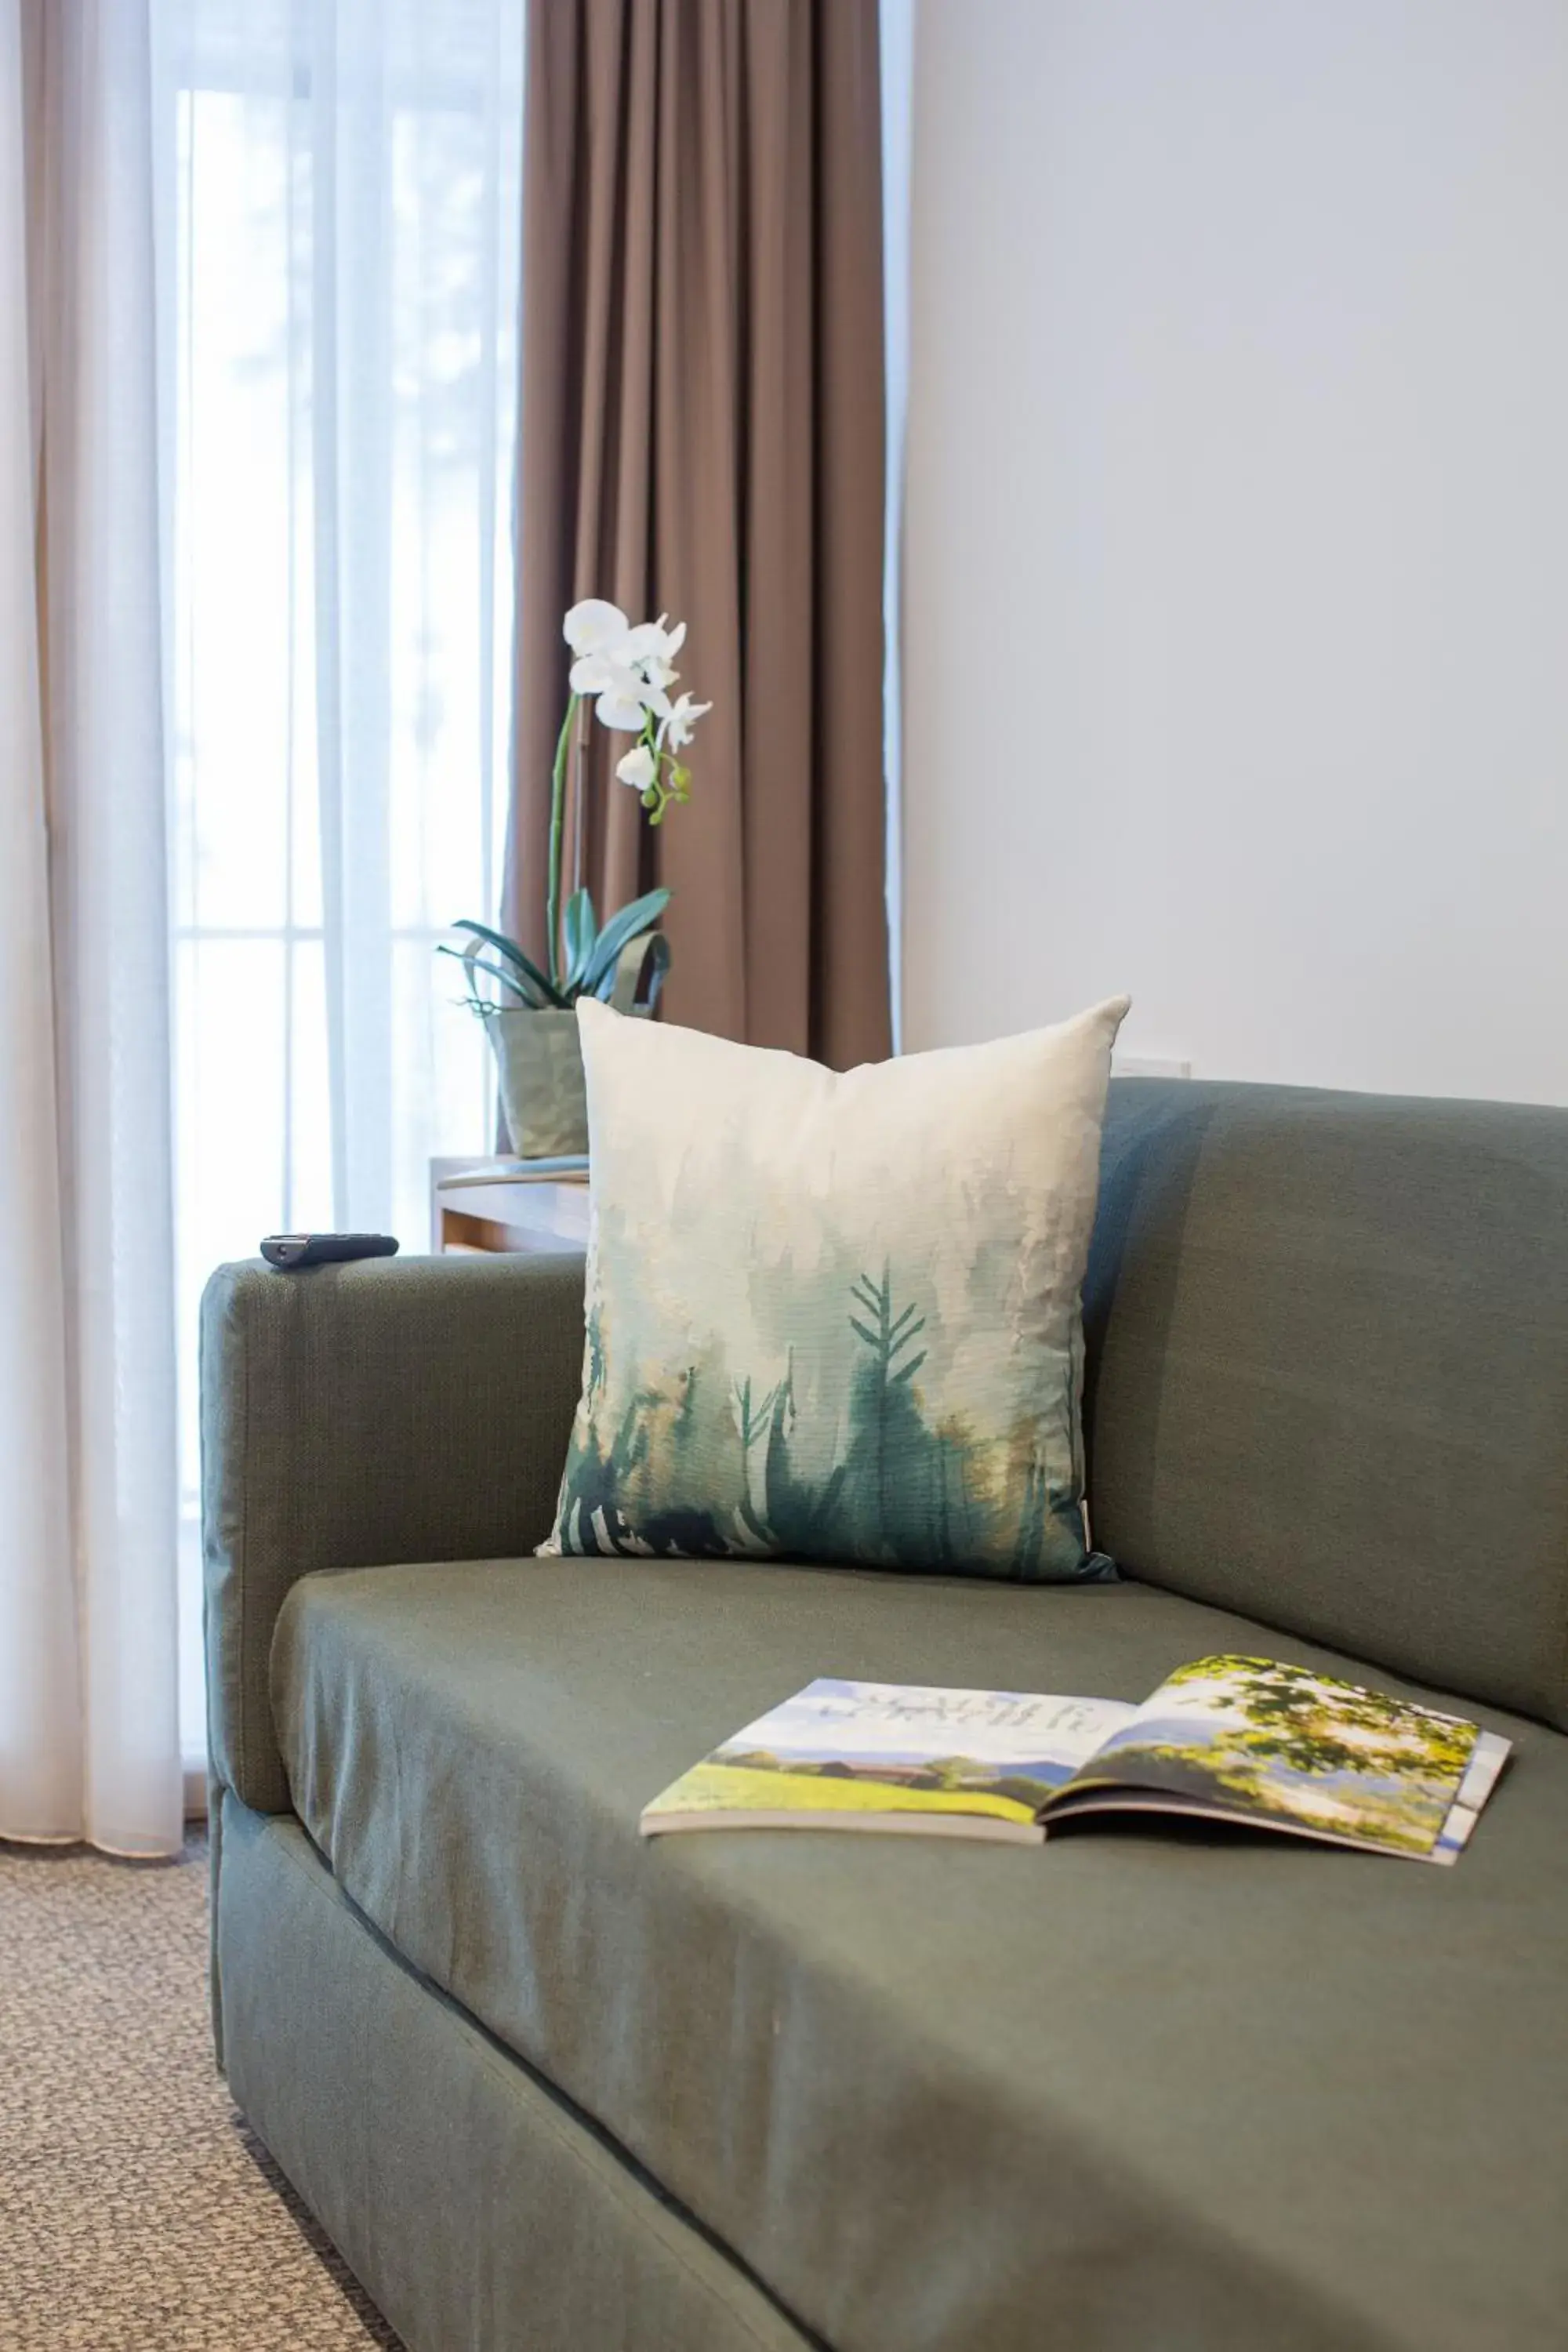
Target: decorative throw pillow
[(836, 1317)]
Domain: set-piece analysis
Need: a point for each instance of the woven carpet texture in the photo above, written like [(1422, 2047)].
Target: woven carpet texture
[(137, 2212)]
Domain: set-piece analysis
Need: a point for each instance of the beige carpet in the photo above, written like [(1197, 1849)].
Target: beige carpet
[(137, 2214)]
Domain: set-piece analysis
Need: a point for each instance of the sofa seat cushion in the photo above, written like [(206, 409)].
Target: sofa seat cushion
[(1170, 2087)]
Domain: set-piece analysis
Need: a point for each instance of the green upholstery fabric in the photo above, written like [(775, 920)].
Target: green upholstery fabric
[(1143, 2089), (478, 2212), (399, 1409), (1328, 1371)]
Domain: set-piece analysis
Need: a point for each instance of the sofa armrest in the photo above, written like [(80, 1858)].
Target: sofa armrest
[(399, 1409)]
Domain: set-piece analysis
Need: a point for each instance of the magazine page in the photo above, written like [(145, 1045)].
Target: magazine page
[(1287, 1748), (840, 1754)]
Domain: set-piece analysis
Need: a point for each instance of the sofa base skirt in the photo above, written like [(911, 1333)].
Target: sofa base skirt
[(479, 2211)]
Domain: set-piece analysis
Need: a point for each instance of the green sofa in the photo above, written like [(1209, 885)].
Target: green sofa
[(1150, 2090)]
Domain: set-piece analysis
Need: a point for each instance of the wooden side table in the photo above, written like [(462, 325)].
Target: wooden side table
[(506, 1205)]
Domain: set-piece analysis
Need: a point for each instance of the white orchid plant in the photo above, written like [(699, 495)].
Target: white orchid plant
[(626, 672)]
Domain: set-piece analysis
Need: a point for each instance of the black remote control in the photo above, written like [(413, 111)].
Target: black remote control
[(291, 1250)]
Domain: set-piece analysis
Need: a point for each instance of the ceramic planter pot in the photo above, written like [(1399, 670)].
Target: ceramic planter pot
[(538, 1063)]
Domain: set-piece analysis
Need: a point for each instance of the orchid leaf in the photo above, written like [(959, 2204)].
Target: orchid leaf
[(512, 980), (581, 931), (650, 977), (640, 916), (549, 995)]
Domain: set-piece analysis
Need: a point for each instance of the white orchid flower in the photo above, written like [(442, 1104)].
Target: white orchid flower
[(589, 674), (679, 723), (628, 674), (655, 637), (594, 624), (624, 697), (638, 768), (623, 717), (648, 637), (611, 671), (652, 647)]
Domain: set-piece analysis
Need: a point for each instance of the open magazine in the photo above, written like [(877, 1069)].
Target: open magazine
[(1229, 1738)]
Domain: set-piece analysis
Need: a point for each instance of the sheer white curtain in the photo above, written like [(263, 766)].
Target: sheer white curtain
[(258, 265), (347, 216), (87, 1724)]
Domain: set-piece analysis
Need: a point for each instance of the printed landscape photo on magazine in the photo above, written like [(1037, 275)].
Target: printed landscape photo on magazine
[(1249, 1741)]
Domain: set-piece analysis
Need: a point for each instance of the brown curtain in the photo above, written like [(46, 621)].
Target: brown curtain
[(702, 435)]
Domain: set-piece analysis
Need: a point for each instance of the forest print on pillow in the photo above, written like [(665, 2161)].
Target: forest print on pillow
[(836, 1317)]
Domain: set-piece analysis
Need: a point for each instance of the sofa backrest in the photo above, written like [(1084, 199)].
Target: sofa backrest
[(1327, 1381)]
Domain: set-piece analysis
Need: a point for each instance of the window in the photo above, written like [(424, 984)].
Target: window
[(344, 186)]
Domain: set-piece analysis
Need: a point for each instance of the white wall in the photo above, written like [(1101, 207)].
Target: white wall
[(1237, 569)]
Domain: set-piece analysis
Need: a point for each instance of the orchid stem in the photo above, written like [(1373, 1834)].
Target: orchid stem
[(557, 811)]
